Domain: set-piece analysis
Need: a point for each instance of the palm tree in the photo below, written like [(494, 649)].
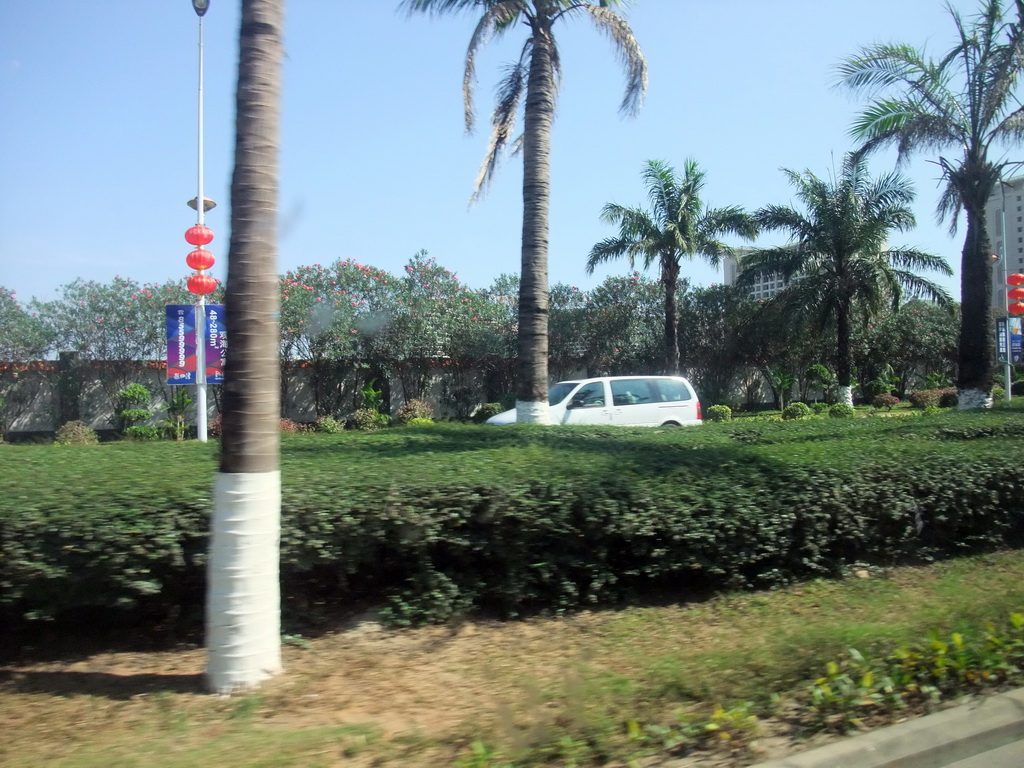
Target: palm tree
[(677, 227), (967, 102), (243, 594), (838, 259), (535, 74)]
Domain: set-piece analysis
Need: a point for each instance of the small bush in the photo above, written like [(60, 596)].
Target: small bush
[(485, 411), (414, 409), (998, 393), (418, 422), (142, 433), (76, 433), (215, 426), (795, 411), (718, 413), (369, 420), (287, 425), (819, 408), (945, 397), (328, 425), (840, 411), (931, 410), (885, 401)]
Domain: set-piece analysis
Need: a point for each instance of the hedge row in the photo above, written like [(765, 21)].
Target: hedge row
[(446, 520)]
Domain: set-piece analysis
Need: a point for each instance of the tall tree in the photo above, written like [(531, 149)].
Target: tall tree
[(536, 75), (243, 607), (677, 227), (839, 259), (967, 102)]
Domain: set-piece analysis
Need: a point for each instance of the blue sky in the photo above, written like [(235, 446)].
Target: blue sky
[(98, 137)]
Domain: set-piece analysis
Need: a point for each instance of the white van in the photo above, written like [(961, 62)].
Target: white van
[(627, 401)]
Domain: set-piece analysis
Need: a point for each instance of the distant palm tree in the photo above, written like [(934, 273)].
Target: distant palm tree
[(677, 227), (536, 74), (838, 259), (243, 613), (966, 101)]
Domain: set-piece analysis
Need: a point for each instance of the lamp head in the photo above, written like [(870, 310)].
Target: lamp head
[(201, 6)]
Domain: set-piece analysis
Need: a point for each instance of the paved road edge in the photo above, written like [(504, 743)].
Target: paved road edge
[(939, 739)]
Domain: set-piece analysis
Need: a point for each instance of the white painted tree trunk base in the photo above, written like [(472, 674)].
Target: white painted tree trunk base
[(973, 399), (845, 395), (532, 413), (243, 594)]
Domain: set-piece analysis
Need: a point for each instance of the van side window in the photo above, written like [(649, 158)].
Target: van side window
[(590, 396), (673, 391), (632, 392)]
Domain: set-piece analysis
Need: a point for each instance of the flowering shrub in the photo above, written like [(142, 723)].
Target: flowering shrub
[(943, 398), (485, 411), (795, 411), (718, 413), (76, 433), (885, 401), (287, 425), (414, 409), (328, 425), (369, 420), (841, 411)]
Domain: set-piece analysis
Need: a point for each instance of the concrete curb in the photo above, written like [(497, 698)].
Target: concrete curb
[(931, 741)]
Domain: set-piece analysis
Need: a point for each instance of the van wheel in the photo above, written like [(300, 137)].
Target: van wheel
[(670, 424)]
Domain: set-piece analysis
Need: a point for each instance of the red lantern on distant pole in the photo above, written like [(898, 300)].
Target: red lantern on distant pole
[(1015, 293), (198, 235), (201, 284), (1015, 279), (200, 259), (1017, 308)]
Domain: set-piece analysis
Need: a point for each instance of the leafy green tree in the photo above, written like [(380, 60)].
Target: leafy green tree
[(243, 606), (24, 340), (114, 325), (915, 340), (535, 76), (678, 226), (838, 260), (622, 325), (330, 318), (710, 324), (967, 102)]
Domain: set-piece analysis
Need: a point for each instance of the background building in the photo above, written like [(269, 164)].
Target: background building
[(1008, 245), (765, 287)]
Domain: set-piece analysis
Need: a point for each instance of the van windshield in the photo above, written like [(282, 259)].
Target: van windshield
[(560, 391)]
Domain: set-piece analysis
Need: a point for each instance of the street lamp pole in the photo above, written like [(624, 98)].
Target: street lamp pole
[(201, 7), (1008, 368)]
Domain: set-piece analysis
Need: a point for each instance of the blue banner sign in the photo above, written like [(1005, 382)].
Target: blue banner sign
[(181, 344), (1014, 341)]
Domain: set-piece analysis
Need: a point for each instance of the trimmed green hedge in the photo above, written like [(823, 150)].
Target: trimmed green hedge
[(451, 519)]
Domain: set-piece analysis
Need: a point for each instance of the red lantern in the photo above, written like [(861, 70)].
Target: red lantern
[(200, 259), (204, 284), (198, 235), (1015, 279), (1017, 308), (1015, 293)]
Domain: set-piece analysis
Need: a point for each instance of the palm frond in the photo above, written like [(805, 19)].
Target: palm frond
[(503, 121), (628, 49)]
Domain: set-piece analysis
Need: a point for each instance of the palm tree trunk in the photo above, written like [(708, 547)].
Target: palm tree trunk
[(977, 340), (243, 606), (844, 357), (532, 368), (670, 280)]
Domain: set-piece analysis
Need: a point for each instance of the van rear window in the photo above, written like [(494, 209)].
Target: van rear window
[(673, 391)]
